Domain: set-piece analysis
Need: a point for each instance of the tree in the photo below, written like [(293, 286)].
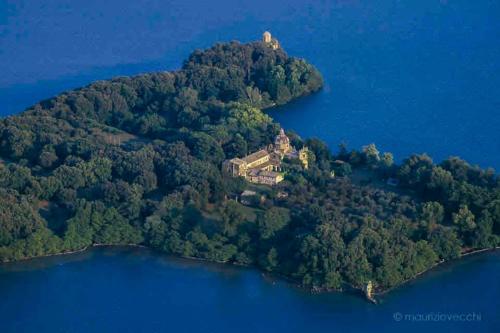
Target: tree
[(79, 233), (387, 160), (371, 153), (415, 171), (482, 236), (431, 215), (270, 261), (358, 268), (155, 230), (445, 243), (47, 159), (231, 216), (342, 169), (464, 219), (272, 221), (440, 183), (138, 161), (333, 280), (276, 82)]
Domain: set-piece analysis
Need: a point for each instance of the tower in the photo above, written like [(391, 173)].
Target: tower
[(304, 157), (369, 290), (282, 143), (266, 37), (270, 41)]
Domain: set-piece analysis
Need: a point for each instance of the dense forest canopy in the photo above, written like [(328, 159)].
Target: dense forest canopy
[(138, 161)]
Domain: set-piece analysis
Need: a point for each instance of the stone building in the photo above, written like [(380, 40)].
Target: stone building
[(264, 165), (260, 160), (264, 177), (266, 37), (369, 289), (282, 143), (304, 157), (269, 40)]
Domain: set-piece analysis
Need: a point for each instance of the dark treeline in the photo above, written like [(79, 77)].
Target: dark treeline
[(138, 161)]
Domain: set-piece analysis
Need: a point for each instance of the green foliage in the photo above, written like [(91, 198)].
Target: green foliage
[(431, 215), (333, 280), (446, 243), (464, 219), (371, 154), (18, 217), (272, 221), (270, 261), (138, 161), (231, 216), (115, 230), (79, 232)]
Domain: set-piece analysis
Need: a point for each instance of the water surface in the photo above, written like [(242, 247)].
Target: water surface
[(135, 290), (411, 76)]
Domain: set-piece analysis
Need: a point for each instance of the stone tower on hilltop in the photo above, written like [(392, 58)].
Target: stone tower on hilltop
[(266, 37), (270, 41)]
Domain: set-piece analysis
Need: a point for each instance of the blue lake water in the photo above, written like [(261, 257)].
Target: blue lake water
[(135, 290), (411, 76)]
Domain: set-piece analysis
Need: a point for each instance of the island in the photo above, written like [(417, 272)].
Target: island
[(188, 163)]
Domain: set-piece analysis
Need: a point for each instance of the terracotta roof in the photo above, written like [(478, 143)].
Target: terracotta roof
[(270, 174), (264, 165), (255, 156), (237, 160)]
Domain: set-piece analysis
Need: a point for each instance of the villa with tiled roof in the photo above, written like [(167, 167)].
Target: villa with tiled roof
[(264, 165)]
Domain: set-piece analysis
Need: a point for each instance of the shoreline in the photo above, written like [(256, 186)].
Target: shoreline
[(73, 252), (347, 288), (436, 265)]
